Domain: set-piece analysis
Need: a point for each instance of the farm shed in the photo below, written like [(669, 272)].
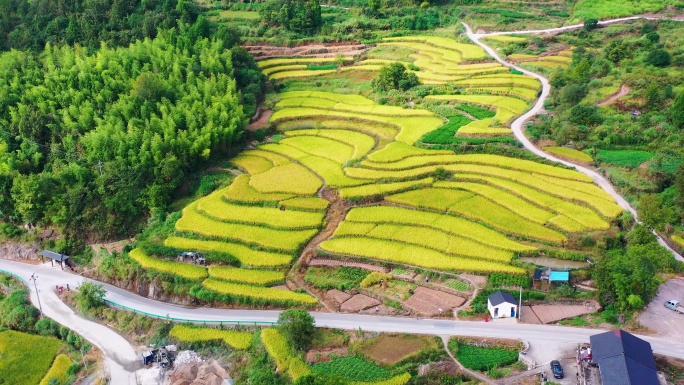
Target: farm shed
[(502, 305), (54, 257), (623, 359)]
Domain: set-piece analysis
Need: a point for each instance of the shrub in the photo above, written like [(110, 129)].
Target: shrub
[(394, 76), (375, 277)]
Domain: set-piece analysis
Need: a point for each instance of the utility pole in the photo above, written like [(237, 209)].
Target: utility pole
[(520, 305), (33, 278)]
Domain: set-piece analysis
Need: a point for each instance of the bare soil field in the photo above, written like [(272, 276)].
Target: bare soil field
[(663, 321), (428, 302), (262, 52), (358, 303), (390, 349)]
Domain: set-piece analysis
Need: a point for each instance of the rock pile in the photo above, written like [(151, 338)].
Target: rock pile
[(196, 373)]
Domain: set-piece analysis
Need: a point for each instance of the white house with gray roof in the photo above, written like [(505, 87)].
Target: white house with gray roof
[(502, 305)]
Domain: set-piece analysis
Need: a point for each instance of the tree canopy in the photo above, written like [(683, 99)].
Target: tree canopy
[(298, 327)]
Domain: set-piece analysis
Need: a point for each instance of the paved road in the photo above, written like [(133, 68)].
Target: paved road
[(111, 343), (518, 125), (119, 357)]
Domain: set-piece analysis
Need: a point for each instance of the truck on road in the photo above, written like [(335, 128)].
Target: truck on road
[(673, 304)]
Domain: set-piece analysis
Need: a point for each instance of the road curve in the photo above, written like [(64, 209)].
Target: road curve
[(120, 359), (557, 334), (518, 125), (572, 27)]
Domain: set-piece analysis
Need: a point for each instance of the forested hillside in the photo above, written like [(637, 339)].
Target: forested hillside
[(96, 132)]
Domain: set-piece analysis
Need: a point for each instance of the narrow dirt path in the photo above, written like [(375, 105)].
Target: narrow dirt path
[(624, 90), (333, 217), (472, 373), (518, 124)]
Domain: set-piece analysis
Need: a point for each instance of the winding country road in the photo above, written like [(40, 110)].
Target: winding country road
[(111, 344), (518, 124), (121, 360)]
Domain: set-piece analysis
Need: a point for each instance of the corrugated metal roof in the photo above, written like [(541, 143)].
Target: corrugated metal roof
[(52, 255), (559, 276)]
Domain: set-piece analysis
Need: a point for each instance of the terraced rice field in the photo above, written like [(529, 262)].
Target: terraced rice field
[(560, 59), (422, 207)]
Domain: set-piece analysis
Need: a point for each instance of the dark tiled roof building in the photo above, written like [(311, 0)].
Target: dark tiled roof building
[(623, 359)]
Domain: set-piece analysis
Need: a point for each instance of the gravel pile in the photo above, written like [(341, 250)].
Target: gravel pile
[(186, 357)]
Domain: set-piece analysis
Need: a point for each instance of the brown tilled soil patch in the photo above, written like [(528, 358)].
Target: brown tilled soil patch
[(261, 122), (476, 279), (527, 316), (379, 310), (358, 302), (339, 296), (262, 52), (281, 287), (390, 349), (428, 302), (322, 355), (553, 313)]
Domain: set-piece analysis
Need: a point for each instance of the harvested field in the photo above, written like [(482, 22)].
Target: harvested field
[(358, 302), (338, 296), (546, 314), (428, 301), (261, 52)]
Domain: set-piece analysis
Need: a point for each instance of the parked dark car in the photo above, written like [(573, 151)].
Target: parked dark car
[(556, 369)]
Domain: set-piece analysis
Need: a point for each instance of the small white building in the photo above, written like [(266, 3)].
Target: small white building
[(502, 305)]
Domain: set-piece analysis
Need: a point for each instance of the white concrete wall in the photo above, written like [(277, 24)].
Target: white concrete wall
[(504, 310)]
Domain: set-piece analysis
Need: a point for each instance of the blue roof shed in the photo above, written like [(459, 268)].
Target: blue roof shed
[(561, 276)]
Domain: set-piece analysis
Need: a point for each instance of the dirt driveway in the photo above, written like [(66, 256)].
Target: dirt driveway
[(662, 320), (542, 352)]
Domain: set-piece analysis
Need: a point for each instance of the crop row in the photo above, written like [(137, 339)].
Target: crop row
[(249, 276), (501, 80), (352, 368), (184, 270), (232, 338), (58, 370), (298, 60), (426, 237), (411, 254), (546, 64), (25, 357), (446, 223), (292, 67), (327, 169), (340, 98), (411, 128), (241, 192), (362, 143), (479, 209), (502, 162), (277, 347), (214, 206), (244, 254), (569, 153), (397, 151), (306, 203), (518, 92), (289, 178), (581, 214), (383, 188), (300, 74), (286, 240), (374, 109), (252, 164), (320, 146), (469, 51), (258, 293), (506, 102), (506, 39)]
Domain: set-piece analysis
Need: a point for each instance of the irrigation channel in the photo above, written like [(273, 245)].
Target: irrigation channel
[(121, 359), (518, 124)]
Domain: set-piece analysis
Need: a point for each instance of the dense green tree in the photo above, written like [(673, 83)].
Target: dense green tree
[(677, 111), (16, 312), (653, 213), (658, 58), (298, 327), (89, 296), (299, 16), (617, 50), (591, 24), (585, 115), (394, 77)]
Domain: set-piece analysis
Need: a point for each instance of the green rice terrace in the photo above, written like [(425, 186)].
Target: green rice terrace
[(350, 180)]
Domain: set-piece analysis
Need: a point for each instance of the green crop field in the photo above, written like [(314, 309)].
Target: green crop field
[(25, 358), (232, 338), (624, 158)]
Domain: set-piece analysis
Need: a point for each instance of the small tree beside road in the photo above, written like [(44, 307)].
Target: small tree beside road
[(90, 296), (298, 327)]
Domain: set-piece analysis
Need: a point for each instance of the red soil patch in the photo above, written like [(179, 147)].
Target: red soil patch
[(624, 90), (336, 263), (428, 302), (359, 302)]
